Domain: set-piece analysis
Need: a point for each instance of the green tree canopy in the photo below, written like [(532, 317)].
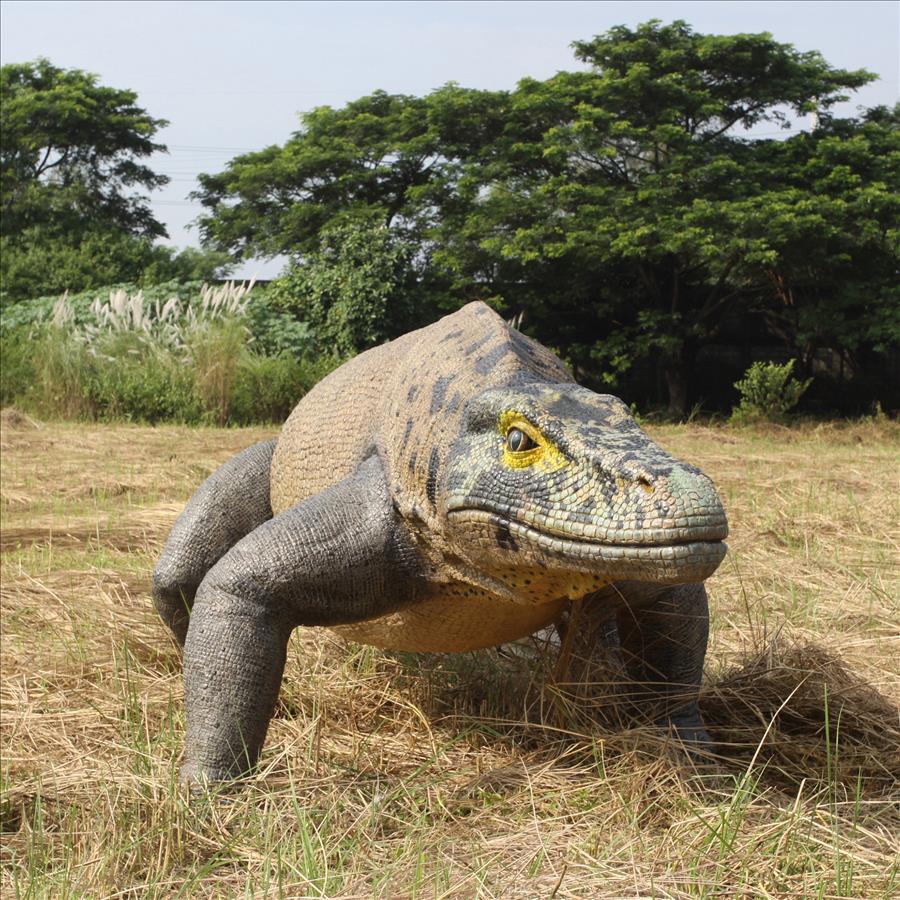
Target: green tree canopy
[(646, 174), (71, 152), (383, 157), (72, 183), (630, 210)]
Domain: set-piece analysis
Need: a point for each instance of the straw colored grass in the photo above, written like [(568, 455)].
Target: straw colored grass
[(501, 774)]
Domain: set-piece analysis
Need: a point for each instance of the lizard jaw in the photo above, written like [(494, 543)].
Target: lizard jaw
[(693, 556)]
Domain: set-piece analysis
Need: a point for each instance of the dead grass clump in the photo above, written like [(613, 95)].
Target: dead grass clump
[(803, 715), (10, 417)]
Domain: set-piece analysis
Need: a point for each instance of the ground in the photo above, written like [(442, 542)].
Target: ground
[(478, 775)]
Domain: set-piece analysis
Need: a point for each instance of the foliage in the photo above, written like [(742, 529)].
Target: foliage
[(641, 166), (384, 158), (168, 325), (71, 177), (828, 229), (358, 290), (272, 332), (625, 210), (159, 356), (71, 152), (40, 309), (186, 264), (276, 332), (36, 262), (267, 388), (53, 374), (768, 392)]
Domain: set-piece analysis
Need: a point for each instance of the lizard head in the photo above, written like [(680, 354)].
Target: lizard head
[(560, 478)]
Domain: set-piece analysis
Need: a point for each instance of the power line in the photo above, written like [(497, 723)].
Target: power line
[(191, 148)]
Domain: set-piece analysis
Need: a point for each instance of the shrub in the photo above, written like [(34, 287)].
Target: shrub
[(144, 384), (146, 358), (266, 388), (768, 393), (356, 291), (215, 350), (276, 332), (41, 260), (17, 364)]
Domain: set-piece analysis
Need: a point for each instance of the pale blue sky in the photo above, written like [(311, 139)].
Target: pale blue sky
[(232, 76)]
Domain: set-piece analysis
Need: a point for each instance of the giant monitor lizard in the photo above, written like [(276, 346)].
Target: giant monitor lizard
[(450, 490)]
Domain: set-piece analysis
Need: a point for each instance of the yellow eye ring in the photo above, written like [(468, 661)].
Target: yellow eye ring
[(523, 445)]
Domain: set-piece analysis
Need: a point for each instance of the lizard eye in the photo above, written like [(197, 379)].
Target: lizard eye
[(518, 442)]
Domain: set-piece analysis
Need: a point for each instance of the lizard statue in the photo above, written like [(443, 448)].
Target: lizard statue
[(451, 490)]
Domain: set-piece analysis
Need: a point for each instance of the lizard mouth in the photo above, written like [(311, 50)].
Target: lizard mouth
[(692, 553)]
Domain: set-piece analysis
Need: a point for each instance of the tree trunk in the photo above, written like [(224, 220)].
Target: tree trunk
[(677, 369), (677, 385)]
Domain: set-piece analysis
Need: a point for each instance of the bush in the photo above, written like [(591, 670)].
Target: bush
[(267, 388), (39, 310), (39, 260), (17, 364), (768, 393), (276, 332), (357, 290), (145, 384), (191, 361), (215, 351)]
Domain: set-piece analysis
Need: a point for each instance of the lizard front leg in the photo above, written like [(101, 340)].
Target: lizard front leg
[(336, 558), (226, 507), (664, 645)]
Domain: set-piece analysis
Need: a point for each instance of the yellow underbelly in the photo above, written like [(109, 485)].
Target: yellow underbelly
[(452, 624)]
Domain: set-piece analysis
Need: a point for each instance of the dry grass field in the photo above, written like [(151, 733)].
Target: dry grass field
[(490, 775)]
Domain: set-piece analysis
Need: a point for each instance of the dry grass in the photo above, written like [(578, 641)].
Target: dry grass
[(479, 775)]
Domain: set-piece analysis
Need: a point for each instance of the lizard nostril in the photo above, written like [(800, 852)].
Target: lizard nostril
[(645, 484)]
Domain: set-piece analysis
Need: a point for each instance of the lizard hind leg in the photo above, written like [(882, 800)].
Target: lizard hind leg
[(231, 503)]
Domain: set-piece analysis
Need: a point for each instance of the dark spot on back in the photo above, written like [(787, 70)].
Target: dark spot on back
[(477, 344), (522, 344), (431, 483), (411, 394), (439, 393), (486, 364), (406, 433), (451, 335)]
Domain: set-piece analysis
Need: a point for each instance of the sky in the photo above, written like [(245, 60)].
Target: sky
[(232, 76)]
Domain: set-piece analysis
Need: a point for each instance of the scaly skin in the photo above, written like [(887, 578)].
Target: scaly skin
[(453, 489)]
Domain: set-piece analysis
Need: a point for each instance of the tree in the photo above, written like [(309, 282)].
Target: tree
[(641, 171), (71, 148), (626, 210), (385, 157), (71, 173), (359, 161), (827, 229), (33, 266)]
